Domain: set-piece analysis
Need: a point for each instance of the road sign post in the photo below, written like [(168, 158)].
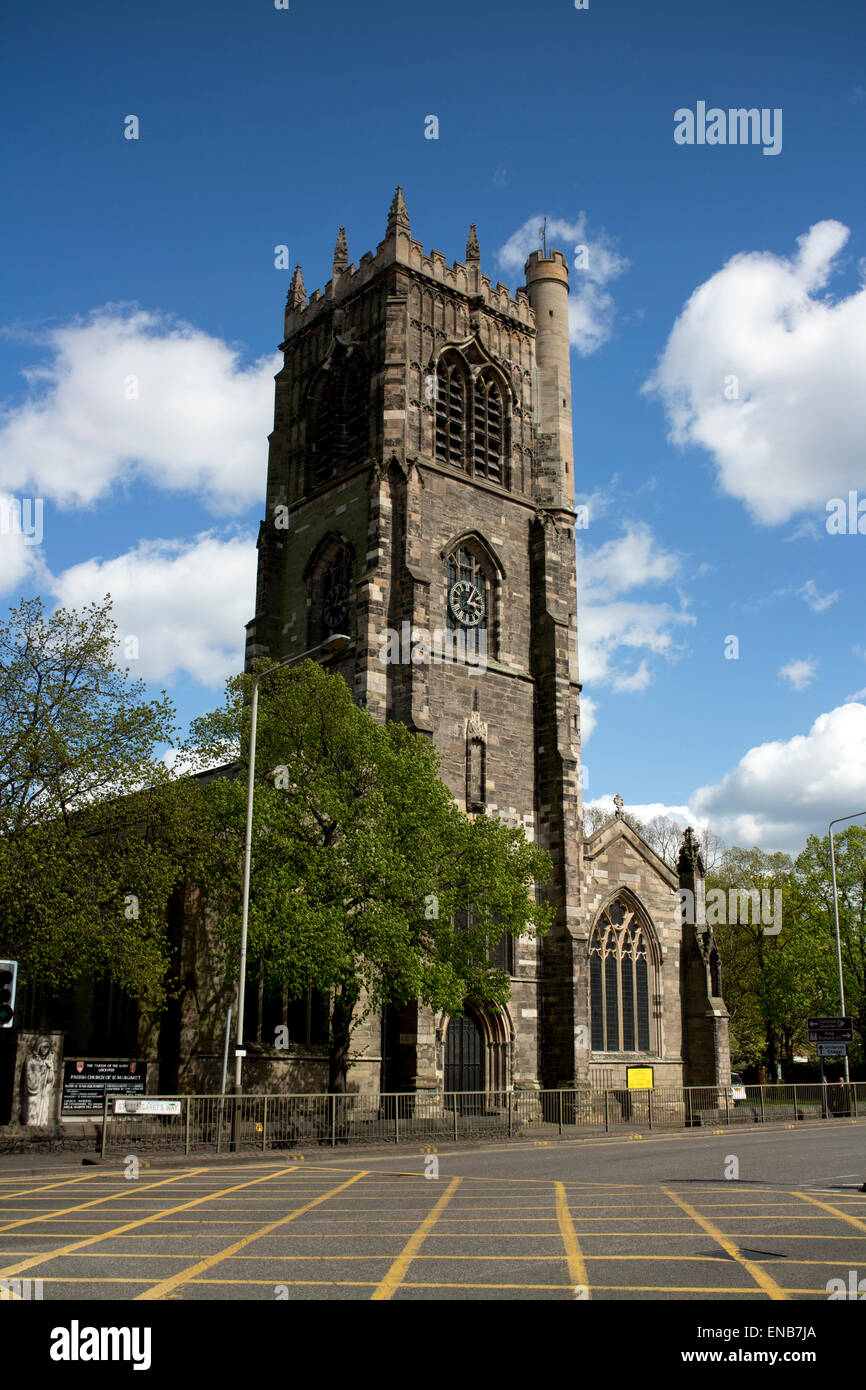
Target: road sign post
[(830, 1030)]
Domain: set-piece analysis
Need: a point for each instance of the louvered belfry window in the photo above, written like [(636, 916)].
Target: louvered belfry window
[(450, 400), (339, 420), (324, 433), (355, 389), (619, 974), (487, 430)]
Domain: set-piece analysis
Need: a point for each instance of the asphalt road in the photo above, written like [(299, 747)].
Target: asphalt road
[(758, 1215)]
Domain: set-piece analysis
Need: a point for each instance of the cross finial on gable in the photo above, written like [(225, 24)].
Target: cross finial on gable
[(618, 803)]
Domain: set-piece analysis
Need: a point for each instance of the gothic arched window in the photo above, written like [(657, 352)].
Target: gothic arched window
[(450, 399), (620, 966), (468, 601), (339, 407), (329, 587), (487, 429)]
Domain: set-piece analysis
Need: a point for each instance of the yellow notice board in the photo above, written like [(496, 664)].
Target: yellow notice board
[(639, 1078)]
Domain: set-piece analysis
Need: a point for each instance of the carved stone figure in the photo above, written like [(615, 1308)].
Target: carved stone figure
[(39, 1083)]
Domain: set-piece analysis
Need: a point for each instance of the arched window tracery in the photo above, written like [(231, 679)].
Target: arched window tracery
[(451, 395), (621, 968), (488, 428), (329, 591), (469, 595), (339, 420)]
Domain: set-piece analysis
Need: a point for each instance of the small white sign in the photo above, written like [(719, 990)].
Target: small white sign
[(132, 1105)]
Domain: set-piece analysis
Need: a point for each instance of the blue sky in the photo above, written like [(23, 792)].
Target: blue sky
[(261, 127)]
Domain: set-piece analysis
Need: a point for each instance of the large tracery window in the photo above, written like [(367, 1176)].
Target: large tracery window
[(620, 965), (470, 419)]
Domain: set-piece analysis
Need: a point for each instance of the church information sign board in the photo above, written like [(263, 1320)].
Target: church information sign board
[(639, 1078), (85, 1084)]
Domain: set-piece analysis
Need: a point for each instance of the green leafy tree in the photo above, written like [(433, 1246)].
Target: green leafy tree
[(815, 885), (368, 882), (86, 808), (770, 977)]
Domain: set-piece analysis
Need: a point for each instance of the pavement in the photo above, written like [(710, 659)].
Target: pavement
[(758, 1216)]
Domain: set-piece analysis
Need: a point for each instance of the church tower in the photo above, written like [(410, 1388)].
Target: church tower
[(420, 497)]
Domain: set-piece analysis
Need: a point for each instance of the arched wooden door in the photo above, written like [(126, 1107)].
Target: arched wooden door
[(464, 1054)]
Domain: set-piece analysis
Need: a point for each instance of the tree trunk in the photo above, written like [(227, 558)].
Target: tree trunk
[(345, 999)]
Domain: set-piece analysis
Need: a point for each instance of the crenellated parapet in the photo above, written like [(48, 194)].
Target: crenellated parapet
[(400, 248)]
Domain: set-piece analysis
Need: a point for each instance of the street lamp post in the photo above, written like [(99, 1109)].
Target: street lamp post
[(336, 643), (838, 821)]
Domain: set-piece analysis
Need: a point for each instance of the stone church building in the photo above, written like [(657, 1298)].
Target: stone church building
[(420, 497)]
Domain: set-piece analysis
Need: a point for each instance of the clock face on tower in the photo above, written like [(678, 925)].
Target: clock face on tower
[(466, 602), (335, 606)]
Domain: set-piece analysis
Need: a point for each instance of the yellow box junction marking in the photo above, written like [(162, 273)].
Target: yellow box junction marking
[(834, 1211), (184, 1275), (760, 1276), (394, 1277), (576, 1267), (128, 1226)]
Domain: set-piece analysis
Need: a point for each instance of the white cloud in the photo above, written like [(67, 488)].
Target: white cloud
[(198, 424), (638, 680), (795, 436), (186, 603), (591, 309), (588, 717), (609, 624), (817, 602), (22, 523), (780, 792), (647, 811), (627, 562), (799, 673)]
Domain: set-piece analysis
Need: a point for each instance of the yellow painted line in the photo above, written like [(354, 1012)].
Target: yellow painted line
[(368, 1284), (834, 1211), (394, 1276), (760, 1276), (82, 1206), (122, 1230), (47, 1187), (576, 1267), (183, 1276)]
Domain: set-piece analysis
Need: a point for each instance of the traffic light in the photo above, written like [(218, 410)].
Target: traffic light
[(8, 981)]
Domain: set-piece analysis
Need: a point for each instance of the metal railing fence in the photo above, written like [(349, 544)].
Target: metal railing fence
[(272, 1122)]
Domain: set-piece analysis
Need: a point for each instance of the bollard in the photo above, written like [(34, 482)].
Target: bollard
[(264, 1122)]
